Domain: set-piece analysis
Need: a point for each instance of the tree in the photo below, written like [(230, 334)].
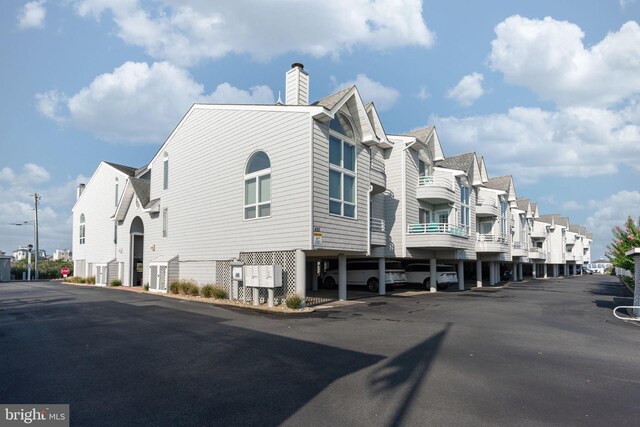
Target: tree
[(624, 239)]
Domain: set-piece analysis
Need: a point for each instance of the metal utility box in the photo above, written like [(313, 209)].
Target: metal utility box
[(263, 276)]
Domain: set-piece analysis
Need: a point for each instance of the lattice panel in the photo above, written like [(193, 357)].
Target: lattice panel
[(286, 259), (223, 275)]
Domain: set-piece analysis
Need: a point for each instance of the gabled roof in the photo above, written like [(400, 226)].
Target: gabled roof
[(483, 169), (429, 137), (142, 189), (462, 162), (523, 204), (374, 118), (332, 100), (504, 183), (590, 236), (122, 168), (576, 228), (555, 219)]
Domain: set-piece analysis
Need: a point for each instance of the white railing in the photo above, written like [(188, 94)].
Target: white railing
[(439, 228), (377, 224), (491, 238), (520, 245), (537, 250), (436, 181)]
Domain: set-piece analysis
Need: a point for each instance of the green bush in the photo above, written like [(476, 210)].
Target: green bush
[(90, 280), (628, 281), (207, 291), (47, 269), (220, 293), (146, 287), (294, 301), (174, 288), (116, 282)]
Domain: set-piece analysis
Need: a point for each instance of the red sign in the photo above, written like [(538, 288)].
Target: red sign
[(64, 271)]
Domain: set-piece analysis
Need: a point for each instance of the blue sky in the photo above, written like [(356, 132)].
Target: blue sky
[(547, 91)]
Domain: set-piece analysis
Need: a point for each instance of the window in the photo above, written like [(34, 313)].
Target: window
[(165, 222), (115, 231), (165, 172), (443, 217), (82, 229), (503, 218), (342, 169), (424, 216), (486, 228), (464, 206), (422, 168), (116, 192), (257, 186)]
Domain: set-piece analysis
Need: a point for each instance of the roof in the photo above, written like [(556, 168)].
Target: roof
[(461, 162), (142, 189), (590, 236), (576, 228), (330, 101), (555, 218), (522, 203), (122, 168), (500, 183)]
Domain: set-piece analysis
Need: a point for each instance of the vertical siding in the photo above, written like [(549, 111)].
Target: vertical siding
[(337, 232)]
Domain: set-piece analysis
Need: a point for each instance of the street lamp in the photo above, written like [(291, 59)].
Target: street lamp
[(29, 262)]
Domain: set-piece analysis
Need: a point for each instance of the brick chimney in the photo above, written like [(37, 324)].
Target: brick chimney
[(297, 85)]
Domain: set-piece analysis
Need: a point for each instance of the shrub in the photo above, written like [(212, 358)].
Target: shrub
[(146, 287), (194, 290), (207, 291), (220, 293), (294, 301), (116, 282), (91, 280), (174, 288), (628, 281)]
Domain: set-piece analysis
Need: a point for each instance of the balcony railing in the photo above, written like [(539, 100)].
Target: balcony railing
[(491, 238), (436, 181), (377, 224), (439, 228)]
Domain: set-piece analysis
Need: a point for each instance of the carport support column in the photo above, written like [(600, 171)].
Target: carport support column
[(520, 273), (478, 273), (314, 276), (492, 273), (534, 268), (342, 277), (381, 276), (635, 253), (460, 275), (301, 275), (433, 269), (544, 266), (556, 270)]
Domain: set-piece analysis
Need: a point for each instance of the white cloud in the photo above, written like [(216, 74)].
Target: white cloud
[(530, 142), (384, 97), (32, 15), (625, 3), (139, 103), (549, 57), (186, 32), (468, 89), (608, 213), (572, 205), (423, 93), (17, 206)]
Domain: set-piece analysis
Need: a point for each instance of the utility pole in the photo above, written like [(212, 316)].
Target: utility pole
[(36, 199)]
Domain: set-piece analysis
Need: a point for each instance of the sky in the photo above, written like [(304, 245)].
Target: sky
[(546, 91)]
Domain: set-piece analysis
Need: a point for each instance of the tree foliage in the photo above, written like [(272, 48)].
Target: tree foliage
[(625, 238), (47, 269)]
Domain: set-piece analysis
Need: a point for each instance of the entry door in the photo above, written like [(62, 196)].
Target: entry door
[(153, 277)]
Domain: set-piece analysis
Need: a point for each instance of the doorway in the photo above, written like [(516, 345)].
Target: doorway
[(137, 252)]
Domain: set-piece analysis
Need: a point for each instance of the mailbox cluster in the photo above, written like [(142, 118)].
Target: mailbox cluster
[(263, 276)]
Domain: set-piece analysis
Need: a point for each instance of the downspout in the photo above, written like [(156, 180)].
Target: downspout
[(311, 185), (369, 217)]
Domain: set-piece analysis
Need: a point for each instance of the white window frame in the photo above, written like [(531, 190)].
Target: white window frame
[(165, 172), (344, 140), (442, 212), (258, 176), (83, 230), (165, 223), (428, 215), (465, 206)]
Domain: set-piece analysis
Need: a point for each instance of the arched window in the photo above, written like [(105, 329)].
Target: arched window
[(257, 186), (342, 167), (165, 172), (82, 229), (116, 192)]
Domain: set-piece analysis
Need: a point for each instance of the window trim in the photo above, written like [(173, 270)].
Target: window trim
[(165, 172), (344, 139), (256, 176), (83, 230), (165, 223)]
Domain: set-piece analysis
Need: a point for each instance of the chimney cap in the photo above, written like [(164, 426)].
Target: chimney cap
[(297, 65)]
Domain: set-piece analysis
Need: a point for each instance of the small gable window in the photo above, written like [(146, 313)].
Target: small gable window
[(116, 191), (82, 229), (165, 172), (257, 186)]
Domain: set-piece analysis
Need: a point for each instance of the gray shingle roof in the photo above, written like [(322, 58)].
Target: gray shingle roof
[(330, 101), (522, 203), (424, 135), (499, 183), (122, 168), (575, 228), (555, 218), (590, 236), (142, 189), (461, 162)]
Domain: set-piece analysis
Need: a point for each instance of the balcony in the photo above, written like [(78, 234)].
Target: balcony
[(491, 243), (537, 253), (436, 189), (538, 234), (487, 208), (519, 249), (437, 235), (378, 176), (378, 232)]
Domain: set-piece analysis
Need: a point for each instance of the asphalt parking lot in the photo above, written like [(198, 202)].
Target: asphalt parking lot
[(537, 353)]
